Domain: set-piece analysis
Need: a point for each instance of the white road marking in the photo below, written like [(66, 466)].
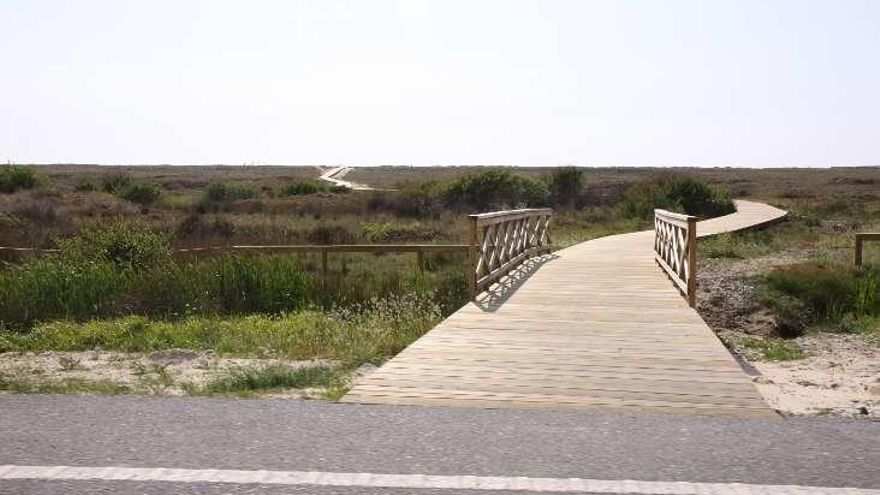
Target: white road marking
[(412, 481)]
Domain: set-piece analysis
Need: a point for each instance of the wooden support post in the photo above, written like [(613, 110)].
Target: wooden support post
[(692, 262), (859, 245), (324, 264), (420, 260), (472, 258)]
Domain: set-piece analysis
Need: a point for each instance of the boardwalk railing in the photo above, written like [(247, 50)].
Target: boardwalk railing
[(501, 240), (860, 241), (324, 249), (675, 249)]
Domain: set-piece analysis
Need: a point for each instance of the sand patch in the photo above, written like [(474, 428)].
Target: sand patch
[(167, 372)]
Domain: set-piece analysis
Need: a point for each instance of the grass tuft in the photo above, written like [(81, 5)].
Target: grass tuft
[(774, 349), (247, 381)]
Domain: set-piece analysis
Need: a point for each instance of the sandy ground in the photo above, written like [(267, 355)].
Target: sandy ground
[(840, 375), (163, 372)]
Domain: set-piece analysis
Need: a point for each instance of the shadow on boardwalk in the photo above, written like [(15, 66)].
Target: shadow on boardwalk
[(491, 300)]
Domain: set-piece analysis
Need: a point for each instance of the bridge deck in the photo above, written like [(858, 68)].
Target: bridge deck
[(596, 325)]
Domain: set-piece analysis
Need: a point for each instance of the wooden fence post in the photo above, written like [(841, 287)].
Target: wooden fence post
[(324, 263), (859, 246), (420, 260), (692, 262), (472, 258)]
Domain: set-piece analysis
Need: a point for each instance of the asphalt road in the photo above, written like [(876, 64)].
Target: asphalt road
[(281, 435)]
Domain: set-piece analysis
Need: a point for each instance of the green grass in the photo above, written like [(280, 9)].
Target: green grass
[(774, 349), (573, 227), (114, 272), (15, 178), (370, 333), (64, 386), (250, 381), (832, 296)]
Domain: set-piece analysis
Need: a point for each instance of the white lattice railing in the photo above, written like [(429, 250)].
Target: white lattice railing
[(675, 248), (500, 241)]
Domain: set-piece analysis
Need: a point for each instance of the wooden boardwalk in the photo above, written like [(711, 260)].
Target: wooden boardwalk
[(594, 326)]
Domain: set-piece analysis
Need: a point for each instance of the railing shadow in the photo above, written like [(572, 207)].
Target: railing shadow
[(498, 293)]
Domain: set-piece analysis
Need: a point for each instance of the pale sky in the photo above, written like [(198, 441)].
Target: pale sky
[(715, 82)]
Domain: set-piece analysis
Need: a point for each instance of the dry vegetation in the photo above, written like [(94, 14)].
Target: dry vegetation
[(768, 294)]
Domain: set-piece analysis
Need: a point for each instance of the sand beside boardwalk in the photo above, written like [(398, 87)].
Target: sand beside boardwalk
[(841, 376)]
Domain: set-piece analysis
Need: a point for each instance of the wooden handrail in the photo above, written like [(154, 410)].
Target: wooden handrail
[(675, 250), (337, 248), (494, 217), (324, 249), (860, 241), (501, 240)]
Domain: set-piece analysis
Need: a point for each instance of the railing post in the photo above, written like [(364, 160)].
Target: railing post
[(692, 262), (859, 245), (420, 260), (324, 263), (472, 258)]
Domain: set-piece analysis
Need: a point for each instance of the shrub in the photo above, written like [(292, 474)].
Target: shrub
[(302, 188), (143, 193), (565, 185), (683, 195), (85, 184), (821, 293), (219, 192), (53, 288), (126, 246), (495, 189), (14, 178), (115, 184)]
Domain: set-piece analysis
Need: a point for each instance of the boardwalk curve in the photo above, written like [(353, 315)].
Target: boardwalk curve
[(593, 326)]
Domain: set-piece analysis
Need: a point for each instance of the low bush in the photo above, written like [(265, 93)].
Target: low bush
[(142, 193), (830, 295), (682, 195), (115, 184), (495, 189), (15, 178), (85, 184), (126, 246), (564, 185), (302, 188), (220, 192)]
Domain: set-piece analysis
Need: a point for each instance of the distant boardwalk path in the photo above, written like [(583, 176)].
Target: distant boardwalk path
[(594, 326)]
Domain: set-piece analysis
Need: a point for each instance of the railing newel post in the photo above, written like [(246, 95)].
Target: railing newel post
[(472, 258), (859, 247), (692, 261), (420, 260)]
